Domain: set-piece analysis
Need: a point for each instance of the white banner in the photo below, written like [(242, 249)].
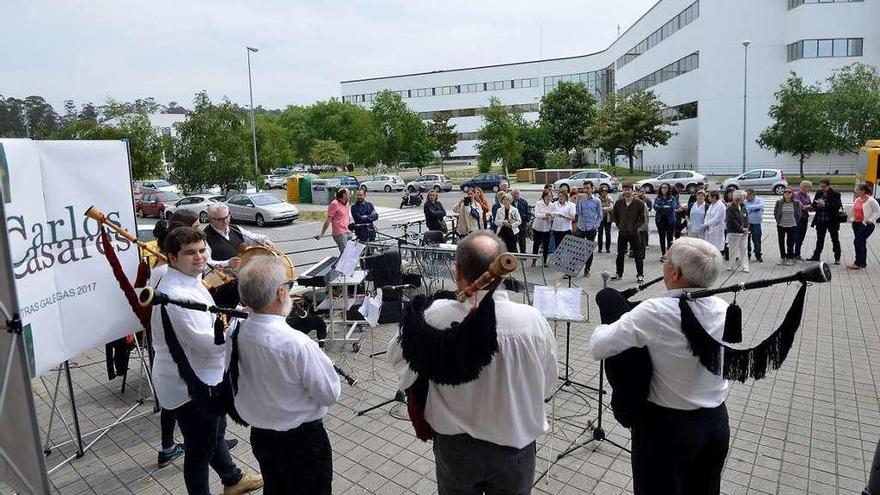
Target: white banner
[(69, 300)]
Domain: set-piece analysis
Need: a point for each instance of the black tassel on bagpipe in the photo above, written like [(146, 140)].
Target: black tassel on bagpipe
[(740, 364), (452, 356)]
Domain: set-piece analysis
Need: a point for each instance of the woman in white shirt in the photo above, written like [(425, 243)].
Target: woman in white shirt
[(563, 215), (713, 225), (507, 222), (541, 224)]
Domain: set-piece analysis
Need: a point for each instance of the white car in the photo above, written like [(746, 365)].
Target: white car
[(274, 181), (158, 185), (687, 178), (385, 183), (197, 203), (261, 208), (597, 177)]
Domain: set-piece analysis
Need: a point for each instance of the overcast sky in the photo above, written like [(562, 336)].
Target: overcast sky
[(88, 50)]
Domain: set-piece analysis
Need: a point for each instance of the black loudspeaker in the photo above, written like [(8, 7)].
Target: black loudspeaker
[(384, 269)]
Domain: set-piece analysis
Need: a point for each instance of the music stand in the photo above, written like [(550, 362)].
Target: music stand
[(570, 257)]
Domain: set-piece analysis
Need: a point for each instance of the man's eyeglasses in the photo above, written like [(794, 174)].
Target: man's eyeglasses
[(227, 217)]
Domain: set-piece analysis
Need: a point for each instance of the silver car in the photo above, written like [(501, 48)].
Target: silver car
[(385, 183), (273, 181), (261, 208), (764, 179), (197, 203), (436, 182), (687, 178), (597, 177)]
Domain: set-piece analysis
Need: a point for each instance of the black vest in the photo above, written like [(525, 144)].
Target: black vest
[(222, 249)]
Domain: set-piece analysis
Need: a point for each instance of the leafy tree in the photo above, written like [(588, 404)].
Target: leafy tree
[(635, 120), (800, 121), (498, 138), (212, 147), (327, 151), (353, 127), (405, 136), (445, 137), (295, 121), (273, 148), (853, 101), (603, 129), (535, 144), (566, 114), (41, 120), (12, 123), (173, 107)]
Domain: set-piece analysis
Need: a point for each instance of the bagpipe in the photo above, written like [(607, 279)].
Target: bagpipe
[(455, 355), (629, 372)]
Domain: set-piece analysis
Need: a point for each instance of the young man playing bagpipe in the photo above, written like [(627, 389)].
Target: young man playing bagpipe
[(680, 436), (486, 386)]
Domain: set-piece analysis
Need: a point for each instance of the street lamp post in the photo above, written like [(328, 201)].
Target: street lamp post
[(746, 44), (253, 122)]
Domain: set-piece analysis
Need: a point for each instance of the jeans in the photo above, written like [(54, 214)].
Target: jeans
[(541, 240), (590, 235), (468, 466), (203, 430), (787, 236), (834, 230), (633, 241), (861, 232), (801, 233), (605, 228), (755, 234), (679, 452), (665, 231), (294, 461)]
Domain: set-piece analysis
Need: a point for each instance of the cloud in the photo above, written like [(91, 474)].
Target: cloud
[(170, 49)]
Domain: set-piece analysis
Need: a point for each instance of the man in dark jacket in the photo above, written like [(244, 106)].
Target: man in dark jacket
[(629, 214), (525, 214), (826, 204), (364, 214)]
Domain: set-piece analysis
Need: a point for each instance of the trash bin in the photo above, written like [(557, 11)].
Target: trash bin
[(305, 188), (319, 192), (293, 189)]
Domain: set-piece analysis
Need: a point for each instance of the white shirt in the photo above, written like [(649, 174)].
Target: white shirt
[(284, 378), (505, 405), (195, 332), (540, 223), (563, 215), (250, 238), (679, 380)]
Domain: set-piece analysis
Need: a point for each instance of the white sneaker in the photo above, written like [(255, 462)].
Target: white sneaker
[(730, 268), (746, 270)]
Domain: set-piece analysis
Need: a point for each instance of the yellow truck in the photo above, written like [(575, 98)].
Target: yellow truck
[(869, 164)]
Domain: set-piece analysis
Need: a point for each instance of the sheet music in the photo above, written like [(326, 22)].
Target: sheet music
[(371, 308), (348, 261), (558, 303)]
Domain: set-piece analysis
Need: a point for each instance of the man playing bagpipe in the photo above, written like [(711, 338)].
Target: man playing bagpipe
[(284, 384), (486, 364), (680, 437)]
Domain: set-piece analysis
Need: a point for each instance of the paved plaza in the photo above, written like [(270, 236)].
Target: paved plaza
[(810, 427)]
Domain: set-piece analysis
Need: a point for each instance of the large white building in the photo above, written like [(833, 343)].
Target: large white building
[(691, 54)]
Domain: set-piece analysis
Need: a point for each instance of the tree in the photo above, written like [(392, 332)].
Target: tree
[(40, 118), (535, 144), (12, 123), (635, 120), (212, 148), (800, 121), (327, 151), (604, 128), (173, 107), (405, 137), (853, 101), (273, 148), (498, 138), (566, 114), (445, 137), (144, 144)]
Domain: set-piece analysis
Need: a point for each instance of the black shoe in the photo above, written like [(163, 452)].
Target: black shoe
[(616, 277), (231, 443), (165, 459), (759, 259), (586, 273), (813, 258), (836, 261)]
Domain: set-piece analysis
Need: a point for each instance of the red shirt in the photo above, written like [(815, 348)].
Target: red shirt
[(339, 214)]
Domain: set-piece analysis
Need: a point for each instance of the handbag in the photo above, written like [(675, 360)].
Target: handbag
[(842, 217)]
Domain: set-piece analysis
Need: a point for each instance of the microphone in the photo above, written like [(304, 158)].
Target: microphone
[(149, 296), (606, 276), (397, 287)]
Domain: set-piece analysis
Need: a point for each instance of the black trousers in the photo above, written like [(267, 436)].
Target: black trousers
[(677, 452), (559, 236), (873, 487), (204, 430), (509, 238), (468, 466), (665, 231), (294, 461), (521, 239), (605, 235), (590, 235), (801, 233), (542, 240), (834, 230), (635, 244), (167, 421), (787, 237)]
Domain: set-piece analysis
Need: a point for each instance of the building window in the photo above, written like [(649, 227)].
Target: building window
[(675, 69), (681, 112), (797, 3), (824, 48), (684, 18)]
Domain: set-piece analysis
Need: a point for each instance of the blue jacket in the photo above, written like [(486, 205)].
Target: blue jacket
[(755, 210), (665, 208), (358, 212), (525, 213)]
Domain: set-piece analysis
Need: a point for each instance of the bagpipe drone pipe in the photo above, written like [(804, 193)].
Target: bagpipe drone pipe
[(629, 372)]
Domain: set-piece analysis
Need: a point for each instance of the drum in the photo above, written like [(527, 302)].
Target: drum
[(248, 254)]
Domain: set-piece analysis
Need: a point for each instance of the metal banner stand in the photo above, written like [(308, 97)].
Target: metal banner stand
[(76, 435)]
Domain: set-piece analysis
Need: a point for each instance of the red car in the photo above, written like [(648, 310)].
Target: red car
[(154, 204)]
